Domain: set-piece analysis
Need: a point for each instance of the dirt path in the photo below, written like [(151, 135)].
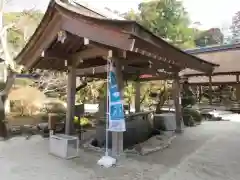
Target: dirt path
[(206, 152), (217, 159)]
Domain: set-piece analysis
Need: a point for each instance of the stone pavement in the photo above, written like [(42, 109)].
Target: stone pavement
[(209, 151)]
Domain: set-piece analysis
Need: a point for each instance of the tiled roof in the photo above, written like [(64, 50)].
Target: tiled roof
[(209, 49), (103, 12)]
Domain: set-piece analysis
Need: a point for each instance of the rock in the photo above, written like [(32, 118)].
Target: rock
[(137, 130), (165, 122), (156, 143)]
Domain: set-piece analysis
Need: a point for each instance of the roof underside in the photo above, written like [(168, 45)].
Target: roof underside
[(216, 80), (70, 34)]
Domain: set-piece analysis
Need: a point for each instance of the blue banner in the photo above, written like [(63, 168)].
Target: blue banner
[(116, 111)]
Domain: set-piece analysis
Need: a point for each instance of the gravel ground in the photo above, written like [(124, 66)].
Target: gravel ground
[(206, 152)]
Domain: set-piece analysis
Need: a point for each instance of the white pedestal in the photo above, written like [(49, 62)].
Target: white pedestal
[(63, 146), (107, 161)]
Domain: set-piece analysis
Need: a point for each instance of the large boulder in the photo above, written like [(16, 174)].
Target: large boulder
[(165, 122), (138, 129)]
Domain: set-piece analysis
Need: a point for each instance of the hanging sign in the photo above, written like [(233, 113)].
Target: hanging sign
[(116, 111)]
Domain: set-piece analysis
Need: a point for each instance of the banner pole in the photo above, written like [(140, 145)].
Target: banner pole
[(107, 161), (107, 119)]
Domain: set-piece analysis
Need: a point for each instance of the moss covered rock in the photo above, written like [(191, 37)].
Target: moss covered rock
[(191, 117)]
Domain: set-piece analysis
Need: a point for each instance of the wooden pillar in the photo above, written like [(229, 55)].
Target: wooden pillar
[(210, 90), (71, 91), (237, 78), (137, 96), (117, 137), (237, 88), (200, 94), (177, 103)]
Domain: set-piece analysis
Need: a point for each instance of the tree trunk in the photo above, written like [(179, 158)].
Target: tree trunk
[(3, 129), (3, 96), (11, 67)]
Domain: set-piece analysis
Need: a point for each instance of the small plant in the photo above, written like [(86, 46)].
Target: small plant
[(80, 123), (83, 121)]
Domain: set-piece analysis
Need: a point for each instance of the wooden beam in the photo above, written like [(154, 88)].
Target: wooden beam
[(91, 71), (154, 56), (157, 78), (56, 55), (161, 76), (159, 51), (213, 74), (94, 50), (133, 77), (91, 52), (213, 84), (103, 69), (131, 57)]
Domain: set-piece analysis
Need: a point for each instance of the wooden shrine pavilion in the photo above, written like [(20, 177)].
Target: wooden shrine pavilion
[(227, 73), (227, 56), (77, 40)]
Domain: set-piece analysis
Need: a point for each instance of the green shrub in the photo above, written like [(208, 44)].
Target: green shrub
[(188, 101), (191, 116)]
